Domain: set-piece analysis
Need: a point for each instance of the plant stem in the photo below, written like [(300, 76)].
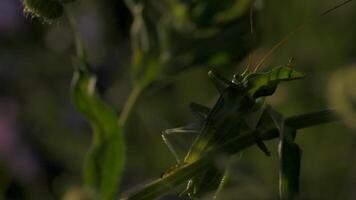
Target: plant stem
[(79, 46), (130, 102)]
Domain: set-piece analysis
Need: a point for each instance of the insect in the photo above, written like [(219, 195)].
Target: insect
[(237, 112)]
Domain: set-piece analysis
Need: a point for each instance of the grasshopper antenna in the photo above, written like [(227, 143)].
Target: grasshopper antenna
[(300, 27), (249, 58), (335, 7)]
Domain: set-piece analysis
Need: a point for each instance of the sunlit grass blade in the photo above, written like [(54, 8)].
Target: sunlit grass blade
[(312, 119), (105, 160), (290, 157)]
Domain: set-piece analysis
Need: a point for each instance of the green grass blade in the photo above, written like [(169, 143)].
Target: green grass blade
[(267, 131), (290, 156), (312, 119), (162, 185), (105, 160), (182, 174), (289, 159)]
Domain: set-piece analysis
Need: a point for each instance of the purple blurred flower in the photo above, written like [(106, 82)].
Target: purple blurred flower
[(13, 152), (10, 15)]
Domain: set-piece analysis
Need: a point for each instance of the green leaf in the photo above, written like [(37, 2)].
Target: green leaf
[(105, 159), (179, 35)]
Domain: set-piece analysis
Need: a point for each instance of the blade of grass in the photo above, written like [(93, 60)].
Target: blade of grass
[(289, 155), (290, 158), (161, 186), (312, 119)]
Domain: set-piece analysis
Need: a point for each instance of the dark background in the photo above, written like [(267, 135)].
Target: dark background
[(43, 139)]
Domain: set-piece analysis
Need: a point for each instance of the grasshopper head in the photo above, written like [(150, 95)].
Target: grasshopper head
[(237, 78)]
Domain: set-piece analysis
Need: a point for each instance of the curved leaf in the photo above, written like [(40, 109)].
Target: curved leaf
[(105, 159)]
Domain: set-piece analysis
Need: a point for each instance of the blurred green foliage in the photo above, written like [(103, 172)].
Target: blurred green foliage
[(36, 74), (170, 36), (106, 157)]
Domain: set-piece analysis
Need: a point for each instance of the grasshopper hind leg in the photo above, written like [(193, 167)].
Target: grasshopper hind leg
[(191, 128), (170, 146)]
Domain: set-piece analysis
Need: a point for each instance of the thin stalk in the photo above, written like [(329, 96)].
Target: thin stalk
[(79, 46), (130, 102), (136, 91)]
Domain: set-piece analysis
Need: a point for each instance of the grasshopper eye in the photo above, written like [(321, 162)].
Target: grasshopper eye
[(237, 78)]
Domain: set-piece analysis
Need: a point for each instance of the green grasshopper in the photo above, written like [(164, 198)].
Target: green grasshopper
[(240, 118), (236, 112)]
